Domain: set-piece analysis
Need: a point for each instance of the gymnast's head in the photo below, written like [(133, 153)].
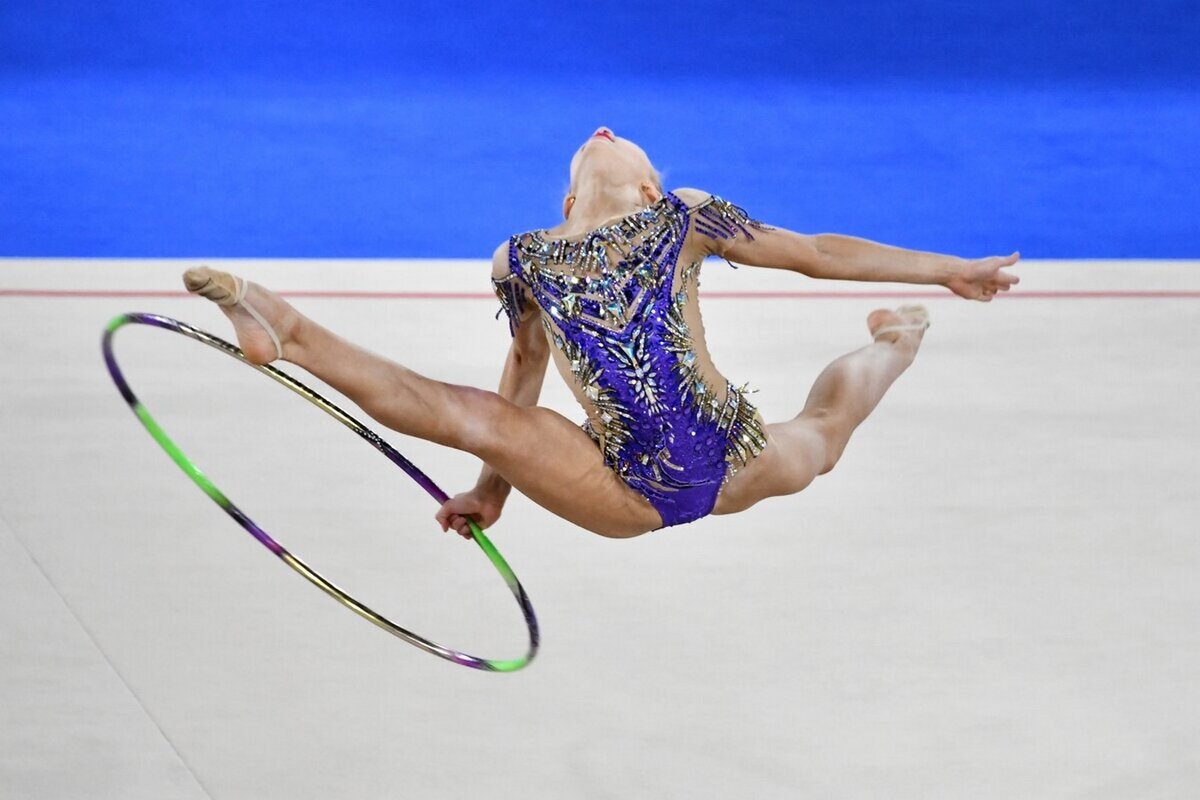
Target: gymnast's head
[(613, 169)]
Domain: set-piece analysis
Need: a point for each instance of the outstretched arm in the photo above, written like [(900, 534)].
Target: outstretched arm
[(847, 258), (520, 383), (829, 255)]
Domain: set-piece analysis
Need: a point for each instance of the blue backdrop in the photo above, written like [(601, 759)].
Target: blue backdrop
[(384, 129)]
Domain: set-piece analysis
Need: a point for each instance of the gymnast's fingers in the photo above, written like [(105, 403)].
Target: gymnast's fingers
[(451, 509), (462, 527), (443, 516)]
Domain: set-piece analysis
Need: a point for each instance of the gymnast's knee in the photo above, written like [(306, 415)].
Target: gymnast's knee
[(827, 435), (481, 421)]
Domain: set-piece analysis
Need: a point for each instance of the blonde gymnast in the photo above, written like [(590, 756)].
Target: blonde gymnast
[(611, 295)]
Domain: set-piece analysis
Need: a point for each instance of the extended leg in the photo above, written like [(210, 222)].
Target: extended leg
[(542, 454), (842, 397)]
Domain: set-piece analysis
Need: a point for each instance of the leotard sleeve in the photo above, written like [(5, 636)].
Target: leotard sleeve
[(719, 222), (515, 299), (511, 292)]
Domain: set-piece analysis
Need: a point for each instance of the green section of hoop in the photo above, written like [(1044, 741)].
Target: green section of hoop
[(172, 449), (485, 544)]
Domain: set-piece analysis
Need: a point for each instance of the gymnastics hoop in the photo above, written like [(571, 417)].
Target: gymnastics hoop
[(314, 577)]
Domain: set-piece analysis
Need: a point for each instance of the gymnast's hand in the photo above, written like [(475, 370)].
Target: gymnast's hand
[(480, 505), (981, 278)]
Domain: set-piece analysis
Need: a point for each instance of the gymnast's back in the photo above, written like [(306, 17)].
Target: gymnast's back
[(619, 305)]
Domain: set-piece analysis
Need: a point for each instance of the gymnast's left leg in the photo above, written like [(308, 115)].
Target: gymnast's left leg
[(843, 396), (538, 451)]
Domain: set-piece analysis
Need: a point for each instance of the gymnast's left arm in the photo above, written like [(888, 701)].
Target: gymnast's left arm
[(847, 258), (742, 240), (520, 383)]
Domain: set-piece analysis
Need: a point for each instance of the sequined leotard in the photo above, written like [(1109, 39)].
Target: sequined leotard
[(613, 305)]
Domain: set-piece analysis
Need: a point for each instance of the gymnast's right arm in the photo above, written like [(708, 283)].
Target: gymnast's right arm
[(520, 383)]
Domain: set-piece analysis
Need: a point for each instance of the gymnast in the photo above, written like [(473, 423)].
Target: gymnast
[(611, 295)]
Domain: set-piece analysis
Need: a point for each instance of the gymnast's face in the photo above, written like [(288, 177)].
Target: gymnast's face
[(609, 162)]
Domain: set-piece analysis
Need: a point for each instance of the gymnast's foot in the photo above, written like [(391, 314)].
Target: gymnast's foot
[(903, 328), (265, 323)]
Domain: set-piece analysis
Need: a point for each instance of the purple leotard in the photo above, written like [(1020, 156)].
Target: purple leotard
[(613, 304)]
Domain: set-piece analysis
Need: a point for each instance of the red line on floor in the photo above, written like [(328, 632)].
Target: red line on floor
[(732, 295)]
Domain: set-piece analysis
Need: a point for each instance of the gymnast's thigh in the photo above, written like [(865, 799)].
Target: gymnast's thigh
[(550, 460), (790, 461)]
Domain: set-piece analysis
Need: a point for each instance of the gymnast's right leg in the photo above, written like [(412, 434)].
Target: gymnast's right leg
[(538, 451)]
